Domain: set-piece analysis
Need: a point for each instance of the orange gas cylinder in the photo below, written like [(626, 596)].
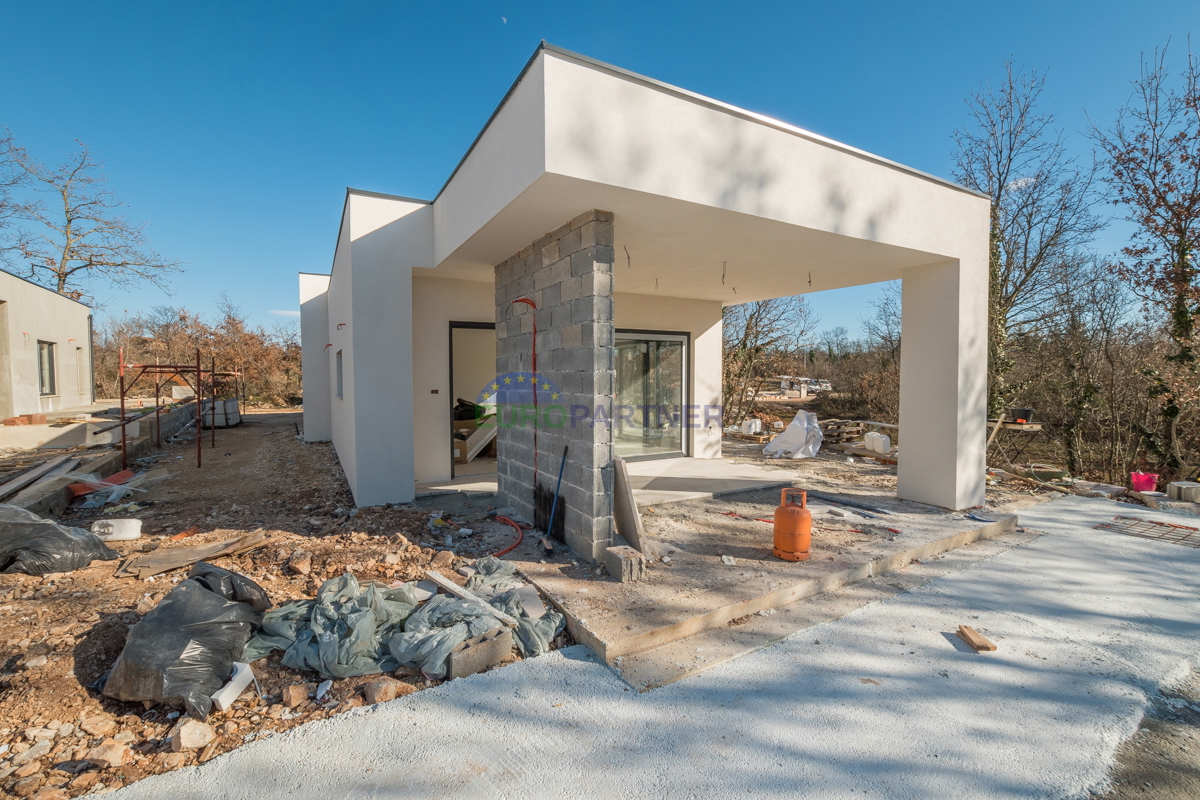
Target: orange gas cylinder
[(793, 527)]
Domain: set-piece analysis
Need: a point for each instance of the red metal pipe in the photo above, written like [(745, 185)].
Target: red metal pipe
[(532, 305), (121, 376), (199, 411)]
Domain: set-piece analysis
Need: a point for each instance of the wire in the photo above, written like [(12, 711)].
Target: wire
[(513, 546)]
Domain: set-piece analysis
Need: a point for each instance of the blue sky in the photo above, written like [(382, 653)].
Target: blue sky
[(233, 128)]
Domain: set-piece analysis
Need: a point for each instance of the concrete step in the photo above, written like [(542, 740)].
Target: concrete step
[(692, 655), (618, 620)]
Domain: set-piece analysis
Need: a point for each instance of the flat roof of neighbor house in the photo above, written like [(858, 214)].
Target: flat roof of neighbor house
[(45, 289)]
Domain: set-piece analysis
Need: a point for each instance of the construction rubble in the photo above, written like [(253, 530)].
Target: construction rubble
[(218, 622)]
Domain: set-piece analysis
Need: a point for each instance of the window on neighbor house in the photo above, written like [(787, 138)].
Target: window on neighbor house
[(79, 365), (339, 374), (46, 368)]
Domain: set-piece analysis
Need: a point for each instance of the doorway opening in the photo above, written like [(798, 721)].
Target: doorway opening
[(651, 395), (472, 370)]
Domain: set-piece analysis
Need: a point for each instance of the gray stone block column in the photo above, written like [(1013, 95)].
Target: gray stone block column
[(568, 275)]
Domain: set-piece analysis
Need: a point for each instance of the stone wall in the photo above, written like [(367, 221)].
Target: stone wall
[(567, 274)]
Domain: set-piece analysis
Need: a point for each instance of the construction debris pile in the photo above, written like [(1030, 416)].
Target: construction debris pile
[(226, 621)]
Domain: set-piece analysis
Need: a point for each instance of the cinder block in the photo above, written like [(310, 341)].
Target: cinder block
[(476, 655), (1184, 491), (624, 563)]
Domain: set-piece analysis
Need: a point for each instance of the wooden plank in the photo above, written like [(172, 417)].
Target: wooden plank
[(975, 639), (480, 439), (167, 559), (17, 484), (865, 453), (453, 588), (625, 511)]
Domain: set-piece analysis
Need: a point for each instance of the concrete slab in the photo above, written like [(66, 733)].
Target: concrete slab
[(689, 588), (668, 480), (673, 480), (743, 636)]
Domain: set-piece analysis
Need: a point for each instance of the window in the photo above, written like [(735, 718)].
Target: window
[(79, 368), (46, 368), (339, 374)]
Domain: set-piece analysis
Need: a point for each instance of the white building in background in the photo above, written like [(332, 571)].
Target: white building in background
[(622, 215), (45, 350)]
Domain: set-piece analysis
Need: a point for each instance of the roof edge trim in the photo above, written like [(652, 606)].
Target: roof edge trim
[(385, 196)]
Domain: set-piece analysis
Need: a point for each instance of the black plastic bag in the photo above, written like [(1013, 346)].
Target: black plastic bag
[(183, 651), (38, 546)]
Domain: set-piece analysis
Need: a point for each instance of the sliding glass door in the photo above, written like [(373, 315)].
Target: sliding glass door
[(650, 396)]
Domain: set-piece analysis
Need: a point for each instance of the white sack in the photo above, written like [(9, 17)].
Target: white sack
[(801, 439)]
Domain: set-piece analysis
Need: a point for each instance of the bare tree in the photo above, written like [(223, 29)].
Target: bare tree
[(752, 333), (80, 235), (883, 327), (1041, 211), (1152, 155), (11, 177)]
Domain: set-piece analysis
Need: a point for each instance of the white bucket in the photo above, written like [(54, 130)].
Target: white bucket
[(117, 530), (869, 440), (751, 426), (883, 444)]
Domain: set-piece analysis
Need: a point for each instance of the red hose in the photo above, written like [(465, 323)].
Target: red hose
[(520, 537)]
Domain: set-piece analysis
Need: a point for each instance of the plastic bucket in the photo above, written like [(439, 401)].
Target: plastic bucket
[(117, 530), (1143, 481)]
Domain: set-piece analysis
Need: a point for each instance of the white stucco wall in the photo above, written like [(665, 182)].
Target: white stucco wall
[(702, 321), (509, 155), (436, 303), (29, 314), (314, 362), (342, 424)]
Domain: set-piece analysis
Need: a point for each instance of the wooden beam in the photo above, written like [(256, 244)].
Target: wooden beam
[(29, 477), (453, 588)]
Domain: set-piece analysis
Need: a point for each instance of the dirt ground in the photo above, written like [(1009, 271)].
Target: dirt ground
[(1162, 760), (60, 633)]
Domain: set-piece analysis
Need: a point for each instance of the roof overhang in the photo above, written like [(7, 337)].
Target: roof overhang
[(699, 190)]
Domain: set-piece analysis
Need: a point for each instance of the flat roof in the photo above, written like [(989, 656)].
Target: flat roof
[(45, 289), (702, 100)]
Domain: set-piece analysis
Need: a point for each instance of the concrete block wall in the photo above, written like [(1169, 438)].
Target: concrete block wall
[(568, 275)]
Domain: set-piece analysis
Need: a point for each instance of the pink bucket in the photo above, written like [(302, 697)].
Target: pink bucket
[(1143, 481)]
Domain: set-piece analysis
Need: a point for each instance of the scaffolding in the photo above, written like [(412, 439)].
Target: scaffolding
[(194, 376)]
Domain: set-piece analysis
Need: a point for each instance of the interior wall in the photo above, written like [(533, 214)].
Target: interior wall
[(701, 319), (474, 362), (436, 302), (314, 361)]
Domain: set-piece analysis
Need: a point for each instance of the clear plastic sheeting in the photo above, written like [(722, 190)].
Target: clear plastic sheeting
[(340, 634), (433, 631), (39, 546), (493, 575), (182, 652), (801, 439), (533, 635)]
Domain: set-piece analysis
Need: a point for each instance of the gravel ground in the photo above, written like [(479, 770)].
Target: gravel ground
[(60, 633)]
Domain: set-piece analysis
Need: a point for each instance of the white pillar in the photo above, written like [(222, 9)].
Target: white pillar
[(943, 384), (314, 361)]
